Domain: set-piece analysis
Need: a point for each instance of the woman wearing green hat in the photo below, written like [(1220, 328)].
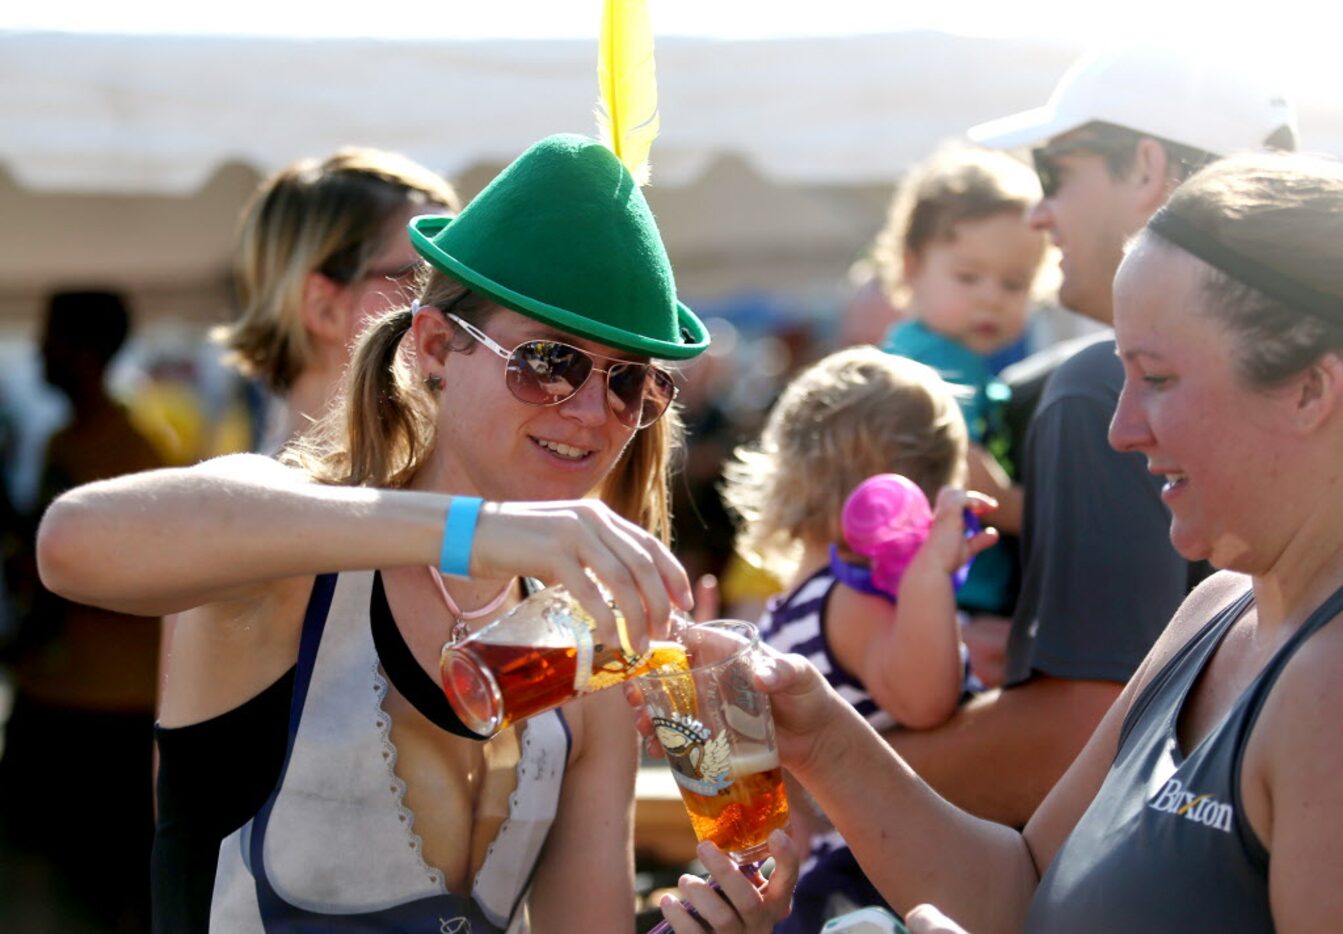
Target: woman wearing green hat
[(510, 424)]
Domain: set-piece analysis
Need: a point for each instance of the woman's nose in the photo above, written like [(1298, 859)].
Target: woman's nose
[(1128, 426), (590, 404)]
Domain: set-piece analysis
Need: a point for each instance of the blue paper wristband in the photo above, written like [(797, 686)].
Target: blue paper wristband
[(459, 531)]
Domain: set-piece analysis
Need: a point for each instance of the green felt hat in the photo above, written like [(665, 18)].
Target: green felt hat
[(564, 235)]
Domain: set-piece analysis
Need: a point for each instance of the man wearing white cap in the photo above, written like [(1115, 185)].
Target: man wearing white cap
[(1100, 578)]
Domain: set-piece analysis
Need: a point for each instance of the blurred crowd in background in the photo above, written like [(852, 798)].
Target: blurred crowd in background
[(190, 406)]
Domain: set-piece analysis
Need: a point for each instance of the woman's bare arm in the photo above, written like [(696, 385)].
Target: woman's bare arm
[(912, 844), (585, 881), (168, 540)]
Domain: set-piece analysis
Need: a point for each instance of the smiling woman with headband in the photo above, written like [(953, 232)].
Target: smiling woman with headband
[(1209, 796), (313, 774)]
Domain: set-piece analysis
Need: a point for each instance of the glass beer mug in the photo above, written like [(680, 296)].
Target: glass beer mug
[(540, 654)]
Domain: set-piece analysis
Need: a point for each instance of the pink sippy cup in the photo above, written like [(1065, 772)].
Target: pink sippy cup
[(886, 518)]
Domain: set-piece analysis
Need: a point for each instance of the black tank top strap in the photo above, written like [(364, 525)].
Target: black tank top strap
[(314, 624), (405, 673), (1326, 611)]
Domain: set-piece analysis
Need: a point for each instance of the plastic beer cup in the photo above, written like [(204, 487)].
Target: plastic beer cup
[(716, 729)]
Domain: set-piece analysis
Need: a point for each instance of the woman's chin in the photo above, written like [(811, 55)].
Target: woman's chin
[(1191, 547), (1225, 553)]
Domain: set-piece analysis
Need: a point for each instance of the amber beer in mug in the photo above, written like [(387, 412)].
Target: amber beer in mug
[(537, 656), (717, 732)]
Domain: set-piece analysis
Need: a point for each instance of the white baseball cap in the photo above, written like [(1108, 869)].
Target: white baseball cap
[(1214, 105)]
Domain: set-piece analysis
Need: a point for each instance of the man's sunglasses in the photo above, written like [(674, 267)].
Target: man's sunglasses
[(544, 372), (1045, 157), (1110, 142)]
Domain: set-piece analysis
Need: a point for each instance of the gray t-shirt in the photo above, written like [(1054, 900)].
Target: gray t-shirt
[(1100, 578)]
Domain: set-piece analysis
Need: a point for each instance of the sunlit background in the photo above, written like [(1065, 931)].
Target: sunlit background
[(1294, 38), (131, 133), (1293, 27)]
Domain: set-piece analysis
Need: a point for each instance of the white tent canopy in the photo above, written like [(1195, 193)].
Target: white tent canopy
[(124, 159), (160, 114)]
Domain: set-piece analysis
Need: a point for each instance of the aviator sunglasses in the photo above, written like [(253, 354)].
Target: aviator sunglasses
[(546, 372)]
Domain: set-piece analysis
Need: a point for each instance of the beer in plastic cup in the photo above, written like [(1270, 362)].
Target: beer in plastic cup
[(716, 729)]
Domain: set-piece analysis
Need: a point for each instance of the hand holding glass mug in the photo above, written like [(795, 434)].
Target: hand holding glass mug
[(613, 568)]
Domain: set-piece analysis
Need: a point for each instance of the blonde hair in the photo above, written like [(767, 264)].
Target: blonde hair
[(855, 413), (329, 216), (957, 183), (382, 428), (1284, 212)]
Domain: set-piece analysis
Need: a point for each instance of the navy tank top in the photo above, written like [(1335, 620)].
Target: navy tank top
[(1165, 845)]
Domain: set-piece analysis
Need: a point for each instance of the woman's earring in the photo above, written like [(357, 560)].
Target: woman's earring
[(434, 383)]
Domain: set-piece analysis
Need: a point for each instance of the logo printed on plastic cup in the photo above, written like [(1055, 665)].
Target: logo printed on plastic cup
[(699, 761)]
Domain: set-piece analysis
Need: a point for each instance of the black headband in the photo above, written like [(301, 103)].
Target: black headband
[(1244, 269)]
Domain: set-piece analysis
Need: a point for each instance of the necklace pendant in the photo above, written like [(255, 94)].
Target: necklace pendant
[(459, 631)]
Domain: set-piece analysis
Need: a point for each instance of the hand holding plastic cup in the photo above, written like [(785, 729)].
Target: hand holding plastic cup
[(717, 732)]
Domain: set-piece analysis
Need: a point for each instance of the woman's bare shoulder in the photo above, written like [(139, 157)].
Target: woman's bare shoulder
[(1205, 601), (217, 656), (1290, 785)]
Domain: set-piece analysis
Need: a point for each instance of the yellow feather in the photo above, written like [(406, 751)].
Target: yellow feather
[(627, 114)]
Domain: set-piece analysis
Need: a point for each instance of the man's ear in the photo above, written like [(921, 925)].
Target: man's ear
[(1150, 176), (1318, 392), (323, 314)]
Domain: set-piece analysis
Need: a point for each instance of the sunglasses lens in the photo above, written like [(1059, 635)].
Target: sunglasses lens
[(547, 372), (638, 394), (1045, 169)]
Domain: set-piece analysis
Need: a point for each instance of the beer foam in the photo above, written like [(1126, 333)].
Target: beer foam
[(756, 760), (666, 657)]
